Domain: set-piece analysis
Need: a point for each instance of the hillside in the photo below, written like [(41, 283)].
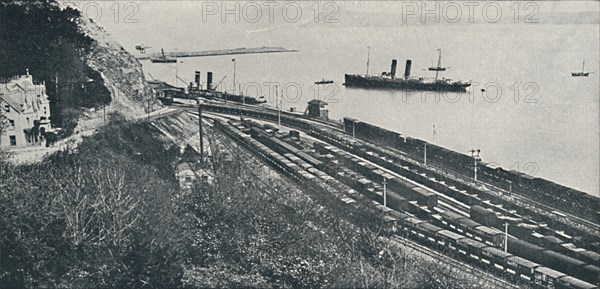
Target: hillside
[(85, 70), (122, 74)]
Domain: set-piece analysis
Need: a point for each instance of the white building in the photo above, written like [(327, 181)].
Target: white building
[(26, 109)]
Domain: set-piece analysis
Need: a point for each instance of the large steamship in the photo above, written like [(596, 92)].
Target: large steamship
[(388, 80)]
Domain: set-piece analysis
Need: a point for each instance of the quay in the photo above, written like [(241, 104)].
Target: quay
[(204, 53)]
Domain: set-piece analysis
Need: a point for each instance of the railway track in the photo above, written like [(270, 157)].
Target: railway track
[(466, 267), (467, 180), (548, 210), (453, 263)]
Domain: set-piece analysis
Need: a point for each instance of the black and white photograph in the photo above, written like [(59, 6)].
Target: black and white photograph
[(299, 144)]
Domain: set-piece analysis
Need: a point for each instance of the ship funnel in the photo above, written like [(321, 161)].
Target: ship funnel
[(209, 80), (197, 79), (407, 69), (393, 69)]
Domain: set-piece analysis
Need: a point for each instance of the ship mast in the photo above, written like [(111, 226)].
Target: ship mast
[(583, 67), (368, 58), (439, 65)]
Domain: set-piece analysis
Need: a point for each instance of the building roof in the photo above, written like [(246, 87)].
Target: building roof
[(317, 102), (184, 167), (11, 102), (23, 94)]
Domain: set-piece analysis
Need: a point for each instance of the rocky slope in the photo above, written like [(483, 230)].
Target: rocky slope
[(122, 74)]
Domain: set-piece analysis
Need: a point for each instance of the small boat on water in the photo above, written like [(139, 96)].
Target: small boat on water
[(582, 73), (163, 58), (439, 64), (324, 81)]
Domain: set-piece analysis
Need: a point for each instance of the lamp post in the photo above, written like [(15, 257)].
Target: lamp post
[(233, 60), (384, 192), (505, 237), (278, 103), (70, 83), (476, 158), (425, 154), (368, 59)]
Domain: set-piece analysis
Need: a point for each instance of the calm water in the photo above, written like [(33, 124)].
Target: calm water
[(555, 134)]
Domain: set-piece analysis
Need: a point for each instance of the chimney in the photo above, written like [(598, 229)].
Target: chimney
[(209, 80), (197, 79), (393, 69), (407, 69)]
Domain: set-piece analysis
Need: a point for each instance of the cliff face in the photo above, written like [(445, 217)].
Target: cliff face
[(122, 74)]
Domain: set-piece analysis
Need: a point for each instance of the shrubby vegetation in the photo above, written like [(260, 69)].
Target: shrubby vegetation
[(101, 215), (39, 36)]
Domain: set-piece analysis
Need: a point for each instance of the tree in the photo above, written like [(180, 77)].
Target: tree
[(3, 122)]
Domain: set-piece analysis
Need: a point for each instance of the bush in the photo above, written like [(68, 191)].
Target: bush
[(97, 216)]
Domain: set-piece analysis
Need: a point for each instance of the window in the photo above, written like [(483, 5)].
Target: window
[(7, 108), (27, 120), (12, 123), (13, 140)]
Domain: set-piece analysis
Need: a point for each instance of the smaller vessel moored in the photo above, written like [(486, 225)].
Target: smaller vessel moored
[(582, 73), (439, 65), (163, 58), (324, 81)]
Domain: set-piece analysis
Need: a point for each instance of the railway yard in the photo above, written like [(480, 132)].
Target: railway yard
[(517, 229)]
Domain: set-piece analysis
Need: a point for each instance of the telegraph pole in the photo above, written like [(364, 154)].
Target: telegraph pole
[(384, 192), (201, 135), (476, 158), (505, 237), (233, 75), (368, 59), (425, 154), (278, 105)]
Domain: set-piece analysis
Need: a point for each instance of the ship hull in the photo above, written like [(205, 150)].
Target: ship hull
[(352, 80), (585, 74), (160, 60)]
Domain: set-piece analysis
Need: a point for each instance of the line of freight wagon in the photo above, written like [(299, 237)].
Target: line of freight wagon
[(544, 191), (453, 187), (520, 227), (426, 232)]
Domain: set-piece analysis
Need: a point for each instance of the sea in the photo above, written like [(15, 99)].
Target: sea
[(524, 110)]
